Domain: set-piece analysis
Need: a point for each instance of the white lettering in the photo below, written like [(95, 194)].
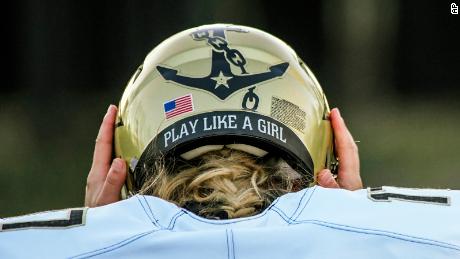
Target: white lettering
[(214, 123), (275, 131), (231, 121), (175, 137), (261, 126), (167, 136), (247, 123), (222, 121), (281, 135), (193, 125), (206, 126), (183, 130)]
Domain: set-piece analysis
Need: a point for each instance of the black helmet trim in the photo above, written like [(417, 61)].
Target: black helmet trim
[(227, 127)]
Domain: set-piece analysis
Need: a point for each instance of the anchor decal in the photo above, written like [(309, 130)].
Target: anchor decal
[(221, 81)]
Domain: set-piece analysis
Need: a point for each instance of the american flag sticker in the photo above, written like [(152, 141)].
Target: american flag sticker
[(178, 106)]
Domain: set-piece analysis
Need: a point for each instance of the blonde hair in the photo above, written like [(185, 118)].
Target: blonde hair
[(222, 184)]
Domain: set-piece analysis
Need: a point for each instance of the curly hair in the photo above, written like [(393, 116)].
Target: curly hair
[(223, 184)]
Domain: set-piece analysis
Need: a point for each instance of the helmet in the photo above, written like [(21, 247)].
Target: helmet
[(219, 86)]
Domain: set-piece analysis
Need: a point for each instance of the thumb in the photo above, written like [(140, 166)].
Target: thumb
[(113, 183), (325, 179)]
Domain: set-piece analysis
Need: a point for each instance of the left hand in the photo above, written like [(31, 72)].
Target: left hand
[(107, 176)]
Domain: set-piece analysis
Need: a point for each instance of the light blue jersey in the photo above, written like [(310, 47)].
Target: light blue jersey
[(316, 222)]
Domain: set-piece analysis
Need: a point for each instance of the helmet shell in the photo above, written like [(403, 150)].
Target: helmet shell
[(218, 85)]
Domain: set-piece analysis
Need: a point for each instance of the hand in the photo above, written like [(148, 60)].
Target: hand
[(347, 151), (106, 177)]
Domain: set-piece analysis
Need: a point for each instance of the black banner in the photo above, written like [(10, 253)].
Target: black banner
[(230, 127)]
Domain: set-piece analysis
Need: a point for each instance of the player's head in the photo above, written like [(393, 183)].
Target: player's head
[(220, 87)]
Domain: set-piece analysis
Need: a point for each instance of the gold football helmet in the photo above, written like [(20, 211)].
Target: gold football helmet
[(219, 86)]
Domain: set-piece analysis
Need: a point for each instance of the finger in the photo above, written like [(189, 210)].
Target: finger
[(344, 142), (326, 179), (103, 147), (349, 173), (345, 145), (90, 200), (113, 183)]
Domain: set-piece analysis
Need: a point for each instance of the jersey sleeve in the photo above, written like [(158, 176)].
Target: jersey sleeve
[(423, 214), (69, 232)]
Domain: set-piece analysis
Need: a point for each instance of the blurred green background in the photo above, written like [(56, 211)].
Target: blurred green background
[(391, 66)]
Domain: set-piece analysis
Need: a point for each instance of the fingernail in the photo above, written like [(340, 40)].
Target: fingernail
[(108, 110), (323, 177), (338, 112), (117, 164), (111, 107)]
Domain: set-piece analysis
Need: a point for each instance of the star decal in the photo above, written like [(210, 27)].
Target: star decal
[(221, 80)]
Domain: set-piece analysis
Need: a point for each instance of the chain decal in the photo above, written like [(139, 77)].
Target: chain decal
[(221, 81), (219, 44)]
